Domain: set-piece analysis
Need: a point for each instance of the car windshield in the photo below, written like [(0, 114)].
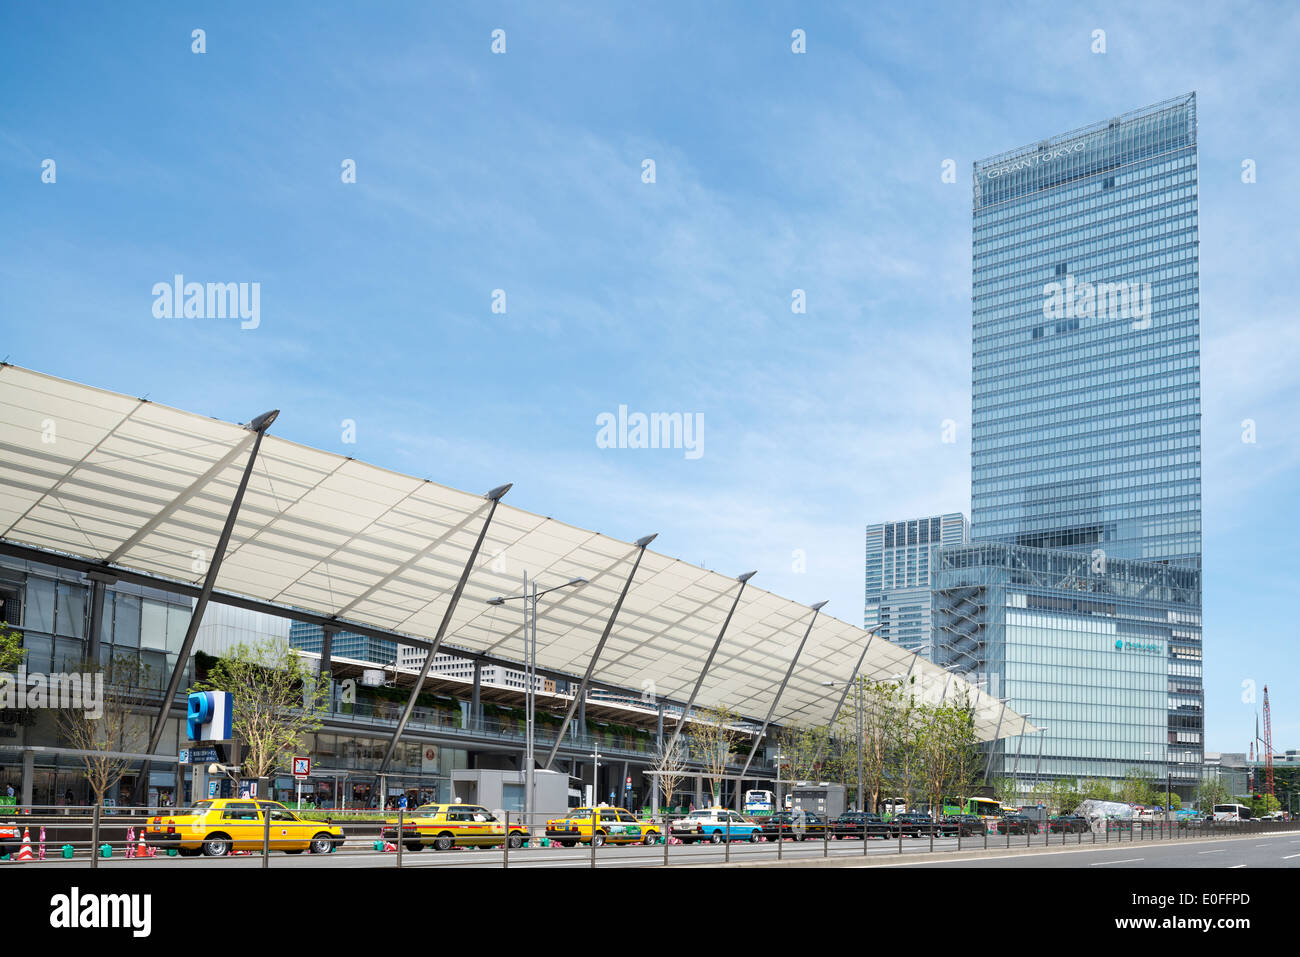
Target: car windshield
[(202, 805)]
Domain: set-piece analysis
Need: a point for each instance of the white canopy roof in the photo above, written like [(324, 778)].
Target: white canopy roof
[(144, 487)]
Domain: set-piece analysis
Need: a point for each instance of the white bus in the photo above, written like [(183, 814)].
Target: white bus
[(1235, 813), (759, 802)]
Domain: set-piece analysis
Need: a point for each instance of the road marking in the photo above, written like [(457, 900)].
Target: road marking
[(1127, 860), (1289, 856), (1220, 851), (1233, 867)]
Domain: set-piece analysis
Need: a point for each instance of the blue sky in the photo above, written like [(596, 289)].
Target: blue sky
[(522, 172)]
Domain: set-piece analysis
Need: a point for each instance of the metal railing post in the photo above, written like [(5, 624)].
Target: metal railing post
[(667, 833), (401, 819), (94, 838), (594, 815), (726, 854), (505, 846), (266, 837), (826, 839)]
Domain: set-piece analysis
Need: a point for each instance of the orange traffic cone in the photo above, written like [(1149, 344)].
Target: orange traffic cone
[(141, 849), (25, 852)]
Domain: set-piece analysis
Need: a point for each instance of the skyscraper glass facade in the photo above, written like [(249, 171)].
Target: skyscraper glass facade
[(1085, 451), (1085, 416), (898, 576), (308, 637)]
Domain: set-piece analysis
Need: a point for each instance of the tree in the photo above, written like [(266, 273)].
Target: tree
[(712, 738), (1209, 792), (11, 651), (277, 700), (670, 762), (879, 703), (1097, 789), (119, 729), (1005, 790), (905, 746), (802, 751), (1138, 788)]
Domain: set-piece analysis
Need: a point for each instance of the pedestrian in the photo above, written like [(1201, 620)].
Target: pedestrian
[(9, 790), (401, 802)]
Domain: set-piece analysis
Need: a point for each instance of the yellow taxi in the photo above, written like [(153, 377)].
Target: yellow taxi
[(444, 826), (599, 825), (217, 827)]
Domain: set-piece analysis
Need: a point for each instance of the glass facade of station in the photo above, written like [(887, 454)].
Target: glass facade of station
[(1085, 452)]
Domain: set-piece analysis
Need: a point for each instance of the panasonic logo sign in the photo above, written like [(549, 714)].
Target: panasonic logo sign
[(1122, 645)]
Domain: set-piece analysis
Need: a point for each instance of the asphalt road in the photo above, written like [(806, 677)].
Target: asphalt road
[(1281, 850), (1269, 850)]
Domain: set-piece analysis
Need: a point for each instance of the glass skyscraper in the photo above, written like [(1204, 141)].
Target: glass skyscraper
[(898, 576), (1085, 449)]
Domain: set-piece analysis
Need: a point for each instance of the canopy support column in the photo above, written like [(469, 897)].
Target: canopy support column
[(857, 669), (779, 691), (997, 736), (494, 497), (581, 693), (686, 712), (258, 427)]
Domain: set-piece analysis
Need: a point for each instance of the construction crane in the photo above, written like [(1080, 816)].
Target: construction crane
[(1268, 747)]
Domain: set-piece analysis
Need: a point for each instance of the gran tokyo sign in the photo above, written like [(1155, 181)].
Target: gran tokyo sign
[(1151, 646), (1036, 159)]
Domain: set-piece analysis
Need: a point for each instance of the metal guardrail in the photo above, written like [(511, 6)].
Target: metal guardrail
[(98, 836)]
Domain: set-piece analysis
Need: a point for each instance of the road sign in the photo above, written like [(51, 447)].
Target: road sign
[(301, 767), (198, 755)]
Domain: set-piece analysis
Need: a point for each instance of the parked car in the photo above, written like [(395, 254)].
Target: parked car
[(1068, 824), (852, 824), (799, 825), (219, 826), (1017, 824), (444, 826), (600, 825), (911, 825), (965, 825), (716, 825), (11, 838)]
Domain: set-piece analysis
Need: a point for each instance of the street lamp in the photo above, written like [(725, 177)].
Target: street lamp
[(857, 697), (1168, 785), (530, 596)]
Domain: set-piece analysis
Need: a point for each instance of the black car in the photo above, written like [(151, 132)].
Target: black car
[(852, 824), (1017, 824), (799, 825), (911, 824), (966, 825), (1068, 824)]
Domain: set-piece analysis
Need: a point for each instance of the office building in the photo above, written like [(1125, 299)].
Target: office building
[(1078, 597), (898, 576)]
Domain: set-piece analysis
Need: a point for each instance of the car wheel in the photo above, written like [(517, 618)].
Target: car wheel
[(516, 840), (598, 840), (651, 837), (715, 837), (568, 843), (413, 845), (218, 845), (188, 851), (321, 843), (443, 842), (754, 837)]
